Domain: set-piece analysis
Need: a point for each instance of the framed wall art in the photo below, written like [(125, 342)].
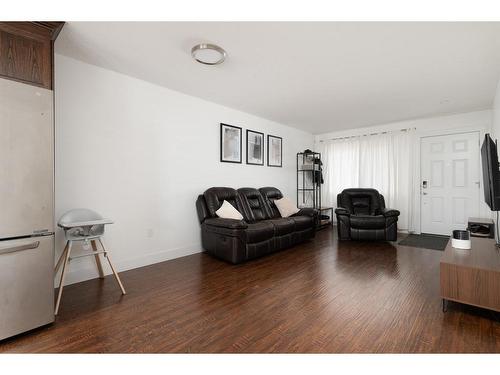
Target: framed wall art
[(230, 143), (274, 151), (255, 147)]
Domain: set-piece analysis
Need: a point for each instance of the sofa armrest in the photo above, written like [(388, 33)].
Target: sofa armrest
[(307, 211), (390, 212), (226, 223), (341, 211)]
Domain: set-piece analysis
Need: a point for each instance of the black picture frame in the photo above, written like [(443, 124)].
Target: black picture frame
[(240, 131), (281, 151), (248, 148)]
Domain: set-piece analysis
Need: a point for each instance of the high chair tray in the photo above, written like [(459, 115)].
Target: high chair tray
[(86, 223)]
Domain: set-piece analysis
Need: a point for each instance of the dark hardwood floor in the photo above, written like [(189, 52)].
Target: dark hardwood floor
[(322, 296)]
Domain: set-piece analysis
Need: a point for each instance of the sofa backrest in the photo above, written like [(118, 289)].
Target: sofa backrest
[(254, 205), (361, 201), (214, 197), (270, 194)]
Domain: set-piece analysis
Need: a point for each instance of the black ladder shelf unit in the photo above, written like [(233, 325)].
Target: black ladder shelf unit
[(309, 185)]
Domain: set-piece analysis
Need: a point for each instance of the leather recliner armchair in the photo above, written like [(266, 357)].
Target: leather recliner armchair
[(262, 230), (362, 215)]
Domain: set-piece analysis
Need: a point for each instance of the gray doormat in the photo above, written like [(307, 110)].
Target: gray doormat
[(426, 241)]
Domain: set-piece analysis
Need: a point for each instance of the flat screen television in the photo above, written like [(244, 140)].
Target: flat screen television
[(491, 173)]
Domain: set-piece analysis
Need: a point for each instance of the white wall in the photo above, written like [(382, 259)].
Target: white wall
[(140, 154), (480, 121), (496, 113)]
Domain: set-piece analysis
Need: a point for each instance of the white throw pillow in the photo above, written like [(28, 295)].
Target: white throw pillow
[(227, 211), (286, 207)]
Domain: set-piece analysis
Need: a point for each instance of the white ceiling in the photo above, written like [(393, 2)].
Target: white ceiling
[(318, 77)]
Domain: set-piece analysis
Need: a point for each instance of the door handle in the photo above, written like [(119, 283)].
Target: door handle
[(13, 249)]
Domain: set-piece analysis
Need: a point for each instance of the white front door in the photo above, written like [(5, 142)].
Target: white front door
[(449, 185)]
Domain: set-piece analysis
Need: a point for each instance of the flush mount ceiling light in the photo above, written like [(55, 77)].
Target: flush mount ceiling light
[(208, 54)]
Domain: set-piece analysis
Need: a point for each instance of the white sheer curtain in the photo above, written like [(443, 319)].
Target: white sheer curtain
[(382, 161), (340, 167)]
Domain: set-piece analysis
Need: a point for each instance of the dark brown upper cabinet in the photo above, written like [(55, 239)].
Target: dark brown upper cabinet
[(27, 51)]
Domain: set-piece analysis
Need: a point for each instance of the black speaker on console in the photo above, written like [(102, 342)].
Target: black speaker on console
[(481, 227)]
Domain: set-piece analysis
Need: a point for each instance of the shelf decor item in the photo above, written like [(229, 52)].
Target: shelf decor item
[(274, 151), (255, 147), (230, 143)]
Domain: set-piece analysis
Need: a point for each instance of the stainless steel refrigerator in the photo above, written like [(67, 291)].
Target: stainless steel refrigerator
[(26, 207)]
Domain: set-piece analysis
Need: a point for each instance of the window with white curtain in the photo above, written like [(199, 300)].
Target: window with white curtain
[(381, 161)]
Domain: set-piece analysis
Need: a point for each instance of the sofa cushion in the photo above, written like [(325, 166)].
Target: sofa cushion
[(360, 201), (227, 211), (282, 226), (368, 221), (258, 232), (286, 207), (270, 194), (302, 222), (216, 195), (254, 204)]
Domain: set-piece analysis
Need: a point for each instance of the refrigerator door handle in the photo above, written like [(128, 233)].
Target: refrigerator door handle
[(21, 247)]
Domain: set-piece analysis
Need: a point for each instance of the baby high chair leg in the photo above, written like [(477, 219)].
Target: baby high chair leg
[(97, 260), (59, 262), (112, 268), (63, 274)]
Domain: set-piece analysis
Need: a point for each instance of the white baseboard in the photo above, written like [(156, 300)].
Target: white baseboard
[(86, 271)]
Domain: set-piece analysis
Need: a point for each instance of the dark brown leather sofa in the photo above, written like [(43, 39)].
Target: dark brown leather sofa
[(362, 215), (262, 230)]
